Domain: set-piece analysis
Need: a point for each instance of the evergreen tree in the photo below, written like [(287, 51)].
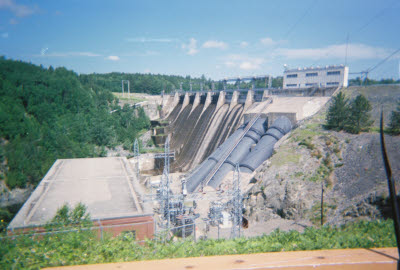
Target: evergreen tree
[(338, 112), (359, 118), (394, 125)]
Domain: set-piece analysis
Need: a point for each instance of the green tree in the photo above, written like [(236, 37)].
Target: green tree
[(359, 118), (338, 112), (394, 125), (66, 216)]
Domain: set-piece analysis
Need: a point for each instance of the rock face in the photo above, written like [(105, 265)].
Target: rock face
[(348, 167), (15, 196)]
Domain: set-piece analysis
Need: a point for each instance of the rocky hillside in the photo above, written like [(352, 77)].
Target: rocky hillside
[(348, 167)]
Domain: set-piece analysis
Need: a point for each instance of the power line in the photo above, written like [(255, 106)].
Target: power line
[(377, 15), (362, 27), (383, 61), (300, 19)]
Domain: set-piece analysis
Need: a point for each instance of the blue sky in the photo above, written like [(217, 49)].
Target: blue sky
[(215, 38)]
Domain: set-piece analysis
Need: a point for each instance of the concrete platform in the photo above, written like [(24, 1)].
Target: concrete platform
[(105, 185), (302, 107)]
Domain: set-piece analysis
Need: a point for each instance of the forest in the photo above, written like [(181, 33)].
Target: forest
[(154, 84), (47, 114)]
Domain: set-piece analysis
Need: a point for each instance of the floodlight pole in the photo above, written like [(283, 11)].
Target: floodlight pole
[(123, 90)]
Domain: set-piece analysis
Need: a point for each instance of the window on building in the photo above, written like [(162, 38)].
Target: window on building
[(332, 83), (291, 85), (131, 234), (312, 74), (311, 84), (291, 76), (333, 73)]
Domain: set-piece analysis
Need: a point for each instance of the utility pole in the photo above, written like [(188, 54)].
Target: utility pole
[(322, 204), (347, 46)]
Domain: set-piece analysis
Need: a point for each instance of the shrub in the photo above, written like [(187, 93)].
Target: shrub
[(359, 118), (394, 124), (337, 113)]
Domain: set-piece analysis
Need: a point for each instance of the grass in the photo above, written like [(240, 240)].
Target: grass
[(131, 97), (307, 133), (86, 248), (284, 156), (152, 150)]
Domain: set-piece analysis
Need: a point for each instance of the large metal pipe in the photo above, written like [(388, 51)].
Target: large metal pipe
[(240, 151), (204, 168), (265, 146)]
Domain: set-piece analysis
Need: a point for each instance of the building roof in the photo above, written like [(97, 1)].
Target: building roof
[(314, 68), (107, 186)]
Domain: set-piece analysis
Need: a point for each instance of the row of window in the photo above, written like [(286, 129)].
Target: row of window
[(312, 84), (314, 74), (333, 72)]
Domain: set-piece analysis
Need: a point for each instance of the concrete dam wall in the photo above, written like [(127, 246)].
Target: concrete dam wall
[(199, 122)]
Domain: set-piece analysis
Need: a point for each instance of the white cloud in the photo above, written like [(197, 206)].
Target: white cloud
[(68, 54), (18, 10), (13, 21), (244, 62), (243, 44), (268, 41), (113, 58), (191, 48), (154, 40), (247, 65), (43, 51), (230, 64), (150, 53), (215, 44), (4, 35), (355, 51)]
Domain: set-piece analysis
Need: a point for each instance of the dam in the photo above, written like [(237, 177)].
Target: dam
[(214, 142), (204, 126)]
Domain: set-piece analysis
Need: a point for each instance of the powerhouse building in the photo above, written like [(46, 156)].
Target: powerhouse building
[(329, 76), (107, 186)]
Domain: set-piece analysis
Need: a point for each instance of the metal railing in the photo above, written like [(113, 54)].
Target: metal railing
[(96, 226)]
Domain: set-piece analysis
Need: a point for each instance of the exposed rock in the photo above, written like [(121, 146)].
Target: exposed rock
[(348, 167), (15, 196)]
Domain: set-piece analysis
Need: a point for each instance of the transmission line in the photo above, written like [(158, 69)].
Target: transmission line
[(383, 61)]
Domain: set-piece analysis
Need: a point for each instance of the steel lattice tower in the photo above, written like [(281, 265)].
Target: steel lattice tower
[(136, 155), (237, 214)]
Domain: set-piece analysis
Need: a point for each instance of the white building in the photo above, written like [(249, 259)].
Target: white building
[(329, 76)]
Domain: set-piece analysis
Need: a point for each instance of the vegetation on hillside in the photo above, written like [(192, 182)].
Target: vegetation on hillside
[(349, 115), (47, 114), (394, 125), (155, 83), (85, 248), (368, 81)]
